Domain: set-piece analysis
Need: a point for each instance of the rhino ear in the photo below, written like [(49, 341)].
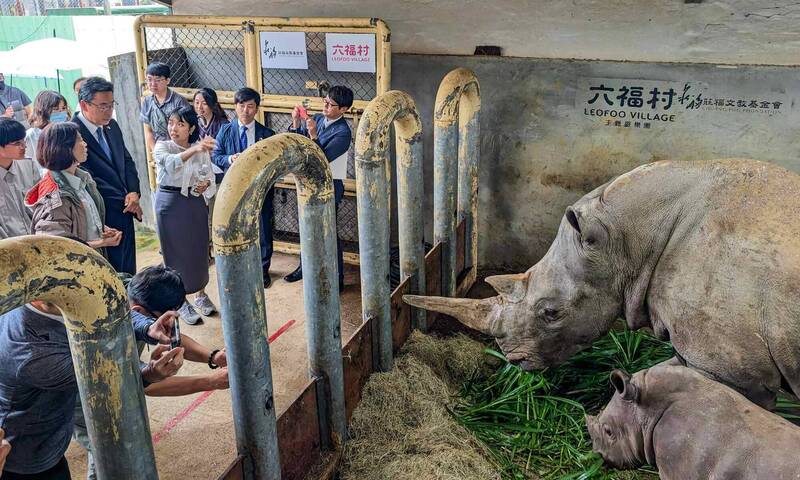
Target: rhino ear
[(511, 287), (573, 217), (621, 381)]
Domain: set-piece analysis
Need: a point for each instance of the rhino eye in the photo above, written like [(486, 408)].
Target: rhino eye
[(550, 314), (607, 430)]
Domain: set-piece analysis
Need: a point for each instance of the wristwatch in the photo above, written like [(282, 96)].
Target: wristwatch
[(211, 363)]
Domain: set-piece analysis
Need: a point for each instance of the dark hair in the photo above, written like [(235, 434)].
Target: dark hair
[(186, 114), (10, 131), (77, 81), (56, 144), (157, 288), (94, 85), (210, 97), (245, 95), (158, 69), (342, 95), (44, 104)]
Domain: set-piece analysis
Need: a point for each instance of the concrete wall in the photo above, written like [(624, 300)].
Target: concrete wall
[(126, 94), (722, 31), (541, 151), (545, 140)]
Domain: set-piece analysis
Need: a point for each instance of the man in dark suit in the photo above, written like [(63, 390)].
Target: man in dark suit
[(234, 138), (331, 132), (111, 167)]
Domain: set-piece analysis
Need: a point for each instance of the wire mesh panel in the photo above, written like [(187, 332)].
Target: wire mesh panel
[(286, 225), (224, 53), (291, 82), (285, 207), (199, 57)]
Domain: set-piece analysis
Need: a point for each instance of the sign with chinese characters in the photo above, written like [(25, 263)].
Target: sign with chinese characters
[(350, 52), (284, 50), (630, 103)]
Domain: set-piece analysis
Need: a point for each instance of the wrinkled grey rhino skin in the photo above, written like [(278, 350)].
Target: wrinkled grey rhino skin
[(691, 427), (707, 254)]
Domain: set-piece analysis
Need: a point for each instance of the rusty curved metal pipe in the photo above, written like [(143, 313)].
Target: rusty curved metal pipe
[(94, 305), (372, 177), (456, 137), (236, 245)]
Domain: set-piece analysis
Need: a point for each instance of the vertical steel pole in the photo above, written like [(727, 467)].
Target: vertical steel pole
[(372, 195), (242, 306), (445, 171), (236, 242), (95, 308), (455, 163), (468, 159), (372, 178)]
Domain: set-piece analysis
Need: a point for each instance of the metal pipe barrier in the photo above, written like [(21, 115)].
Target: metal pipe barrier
[(372, 179), (94, 305), (238, 260), (456, 153)]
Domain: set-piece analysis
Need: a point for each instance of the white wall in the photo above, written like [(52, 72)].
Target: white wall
[(725, 31)]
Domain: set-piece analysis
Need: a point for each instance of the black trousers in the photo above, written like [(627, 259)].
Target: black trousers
[(265, 236), (59, 472), (123, 256)]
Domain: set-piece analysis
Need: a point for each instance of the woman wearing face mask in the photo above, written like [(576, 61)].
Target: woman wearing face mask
[(185, 177), (48, 107), (66, 202)]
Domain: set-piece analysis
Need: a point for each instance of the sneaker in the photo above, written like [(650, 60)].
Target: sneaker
[(205, 305), (188, 314)]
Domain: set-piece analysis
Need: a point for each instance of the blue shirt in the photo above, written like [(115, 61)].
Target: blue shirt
[(38, 387)]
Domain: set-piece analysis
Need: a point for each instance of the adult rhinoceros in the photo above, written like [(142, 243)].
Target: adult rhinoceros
[(707, 254)]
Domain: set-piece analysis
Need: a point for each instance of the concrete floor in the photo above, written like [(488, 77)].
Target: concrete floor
[(193, 435)]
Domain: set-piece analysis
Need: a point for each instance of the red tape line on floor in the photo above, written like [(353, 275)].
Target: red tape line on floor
[(204, 396)]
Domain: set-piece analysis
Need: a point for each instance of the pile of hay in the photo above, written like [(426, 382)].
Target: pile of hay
[(402, 428)]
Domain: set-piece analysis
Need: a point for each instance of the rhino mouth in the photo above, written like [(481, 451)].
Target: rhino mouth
[(525, 362)]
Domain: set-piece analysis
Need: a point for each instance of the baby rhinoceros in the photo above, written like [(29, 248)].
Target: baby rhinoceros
[(691, 427)]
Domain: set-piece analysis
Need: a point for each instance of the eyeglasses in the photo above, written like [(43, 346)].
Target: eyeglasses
[(156, 79), (104, 107), (330, 104), (18, 143)]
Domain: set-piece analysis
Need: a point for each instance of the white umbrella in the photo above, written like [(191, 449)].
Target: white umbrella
[(44, 57)]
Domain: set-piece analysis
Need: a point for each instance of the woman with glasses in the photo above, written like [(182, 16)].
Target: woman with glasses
[(185, 177), (48, 107), (66, 202)]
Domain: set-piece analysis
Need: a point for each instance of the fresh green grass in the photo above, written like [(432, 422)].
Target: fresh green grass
[(532, 422), (146, 238)]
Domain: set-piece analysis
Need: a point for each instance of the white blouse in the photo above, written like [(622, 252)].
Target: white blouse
[(172, 171)]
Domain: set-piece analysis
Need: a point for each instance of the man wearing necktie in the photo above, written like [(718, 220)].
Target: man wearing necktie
[(111, 167), (233, 139)]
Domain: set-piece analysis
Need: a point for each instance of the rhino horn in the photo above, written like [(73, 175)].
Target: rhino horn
[(472, 313), (512, 287)]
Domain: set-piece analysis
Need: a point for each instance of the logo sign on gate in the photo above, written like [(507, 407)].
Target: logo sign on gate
[(284, 50), (350, 52)]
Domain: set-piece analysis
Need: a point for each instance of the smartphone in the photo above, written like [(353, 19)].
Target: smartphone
[(175, 340), (303, 112)]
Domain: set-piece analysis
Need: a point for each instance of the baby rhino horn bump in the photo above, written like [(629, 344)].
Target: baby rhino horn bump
[(511, 287), (472, 313)]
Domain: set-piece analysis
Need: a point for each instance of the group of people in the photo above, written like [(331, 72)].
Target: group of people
[(195, 145), (72, 176)]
